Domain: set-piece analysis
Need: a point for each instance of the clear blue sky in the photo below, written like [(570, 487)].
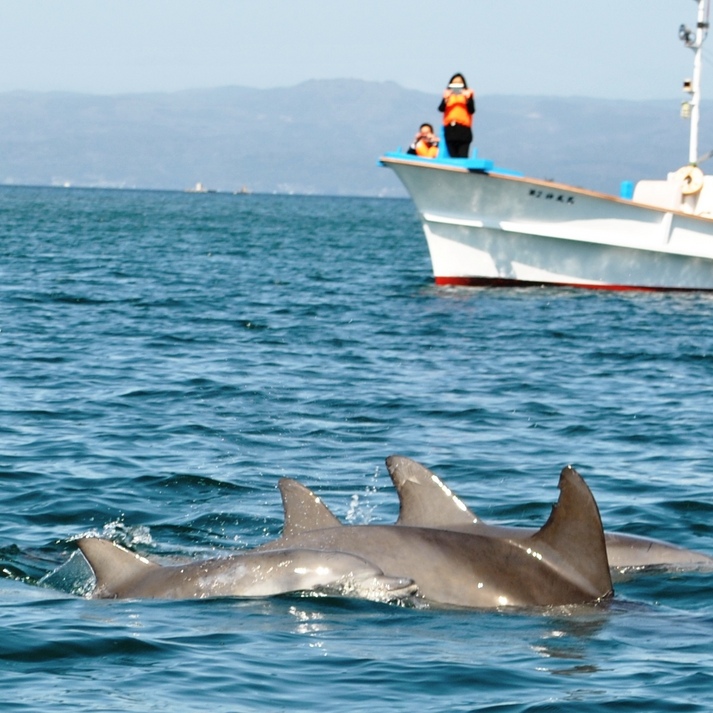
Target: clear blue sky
[(619, 49)]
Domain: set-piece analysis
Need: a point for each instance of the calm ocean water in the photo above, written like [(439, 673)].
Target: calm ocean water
[(166, 358)]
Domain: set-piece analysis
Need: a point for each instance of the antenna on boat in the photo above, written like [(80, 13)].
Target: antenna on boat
[(691, 108)]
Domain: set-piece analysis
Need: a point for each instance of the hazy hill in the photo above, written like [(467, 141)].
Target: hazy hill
[(318, 137)]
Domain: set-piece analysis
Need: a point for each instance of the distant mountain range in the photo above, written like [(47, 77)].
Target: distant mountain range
[(321, 137)]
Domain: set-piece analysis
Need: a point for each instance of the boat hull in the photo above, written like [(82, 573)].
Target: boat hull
[(484, 227)]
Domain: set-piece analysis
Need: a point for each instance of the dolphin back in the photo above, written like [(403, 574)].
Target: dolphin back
[(115, 568), (572, 539), (571, 542), (122, 574), (425, 500), (304, 511)]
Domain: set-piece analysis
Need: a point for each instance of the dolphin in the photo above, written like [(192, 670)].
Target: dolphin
[(564, 562), (123, 574), (425, 501)]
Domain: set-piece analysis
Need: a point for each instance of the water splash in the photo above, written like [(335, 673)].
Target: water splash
[(361, 508), (119, 532)]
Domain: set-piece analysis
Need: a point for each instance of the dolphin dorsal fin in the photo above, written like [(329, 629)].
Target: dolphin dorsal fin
[(575, 535), (113, 566), (424, 499), (304, 511)]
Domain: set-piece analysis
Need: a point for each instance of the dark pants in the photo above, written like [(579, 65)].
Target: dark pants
[(458, 140)]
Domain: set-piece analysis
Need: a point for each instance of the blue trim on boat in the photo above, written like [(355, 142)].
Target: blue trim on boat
[(474, 164)]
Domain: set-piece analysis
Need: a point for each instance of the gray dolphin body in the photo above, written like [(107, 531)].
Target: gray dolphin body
[(123, 574), (564, 562), (425, 501)]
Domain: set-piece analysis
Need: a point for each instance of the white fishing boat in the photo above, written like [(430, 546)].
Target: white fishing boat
[(486, 225)]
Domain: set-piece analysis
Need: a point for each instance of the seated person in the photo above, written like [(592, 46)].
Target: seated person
[(425, 143)]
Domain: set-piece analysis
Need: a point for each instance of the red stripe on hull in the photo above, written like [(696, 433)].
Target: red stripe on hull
[(503, 282)]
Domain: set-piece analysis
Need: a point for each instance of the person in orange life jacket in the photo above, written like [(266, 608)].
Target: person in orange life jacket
[(458, 107), (424, 143)]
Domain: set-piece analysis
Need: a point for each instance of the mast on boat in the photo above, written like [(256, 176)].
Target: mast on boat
[(694, 40)]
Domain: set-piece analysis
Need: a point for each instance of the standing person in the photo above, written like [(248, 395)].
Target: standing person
[(425, 143), (458, 107)]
